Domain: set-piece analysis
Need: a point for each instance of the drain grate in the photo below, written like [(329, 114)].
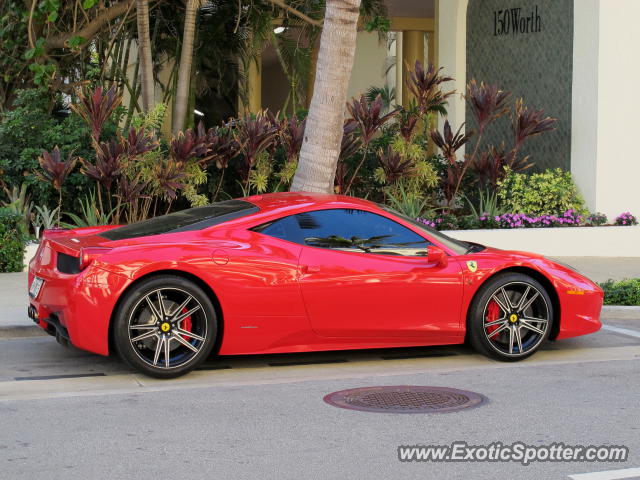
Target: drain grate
[(405, 399)]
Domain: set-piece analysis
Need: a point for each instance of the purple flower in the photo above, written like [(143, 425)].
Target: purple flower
[(626, 218)]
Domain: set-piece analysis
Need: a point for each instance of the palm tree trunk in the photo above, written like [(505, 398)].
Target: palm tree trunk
[(321, 146), (59, 203), (184, 71), (144, 55)]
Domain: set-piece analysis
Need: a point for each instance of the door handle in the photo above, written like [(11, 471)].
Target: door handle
[(310, 269)]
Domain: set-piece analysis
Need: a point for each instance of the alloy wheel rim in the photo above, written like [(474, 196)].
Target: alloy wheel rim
[(516, 319), (167, 328)]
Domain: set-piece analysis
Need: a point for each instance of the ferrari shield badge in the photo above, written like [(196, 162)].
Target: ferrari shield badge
[(472, 266)]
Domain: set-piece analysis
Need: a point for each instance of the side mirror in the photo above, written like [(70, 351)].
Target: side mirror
[(436, 255)]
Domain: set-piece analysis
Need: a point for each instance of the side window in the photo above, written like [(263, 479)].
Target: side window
[(284, 228), (358, 231)]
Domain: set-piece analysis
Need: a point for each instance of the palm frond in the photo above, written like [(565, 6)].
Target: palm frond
[(388, 95)]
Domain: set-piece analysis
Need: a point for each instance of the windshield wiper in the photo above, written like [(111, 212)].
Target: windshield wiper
[(474, 247)]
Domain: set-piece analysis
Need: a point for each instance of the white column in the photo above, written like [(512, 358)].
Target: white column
[(399, 67), (451, 44), (412, 51), (584, 101), (606, 105)]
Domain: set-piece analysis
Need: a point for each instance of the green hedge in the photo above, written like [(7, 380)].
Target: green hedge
[(551, 192), (624, 292), (12, 242)]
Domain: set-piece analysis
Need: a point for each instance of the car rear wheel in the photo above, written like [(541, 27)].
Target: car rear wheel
[(510, 318), (165, 326)]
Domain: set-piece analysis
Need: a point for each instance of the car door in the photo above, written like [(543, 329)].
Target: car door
[(365, 275)]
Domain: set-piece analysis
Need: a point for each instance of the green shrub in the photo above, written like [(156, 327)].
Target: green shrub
[(408, 203), (624, 292), (487, 204), (596, 219), (468, 222), (31, 127), (12, 242), (551, 192)]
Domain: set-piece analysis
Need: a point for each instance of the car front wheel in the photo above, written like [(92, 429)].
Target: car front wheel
[(165, 326), (510, 318)]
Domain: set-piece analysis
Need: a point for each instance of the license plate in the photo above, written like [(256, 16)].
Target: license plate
[(36, 286)]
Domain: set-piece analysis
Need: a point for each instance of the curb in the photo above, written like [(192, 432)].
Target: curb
[(619, 312)]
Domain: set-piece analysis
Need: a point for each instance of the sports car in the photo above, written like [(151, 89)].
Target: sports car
[(293, 272)]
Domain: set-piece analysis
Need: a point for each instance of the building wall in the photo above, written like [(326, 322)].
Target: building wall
[(617, 166), (526, 48), (369, 64), (275, 86), (605, 107), (372, 54)]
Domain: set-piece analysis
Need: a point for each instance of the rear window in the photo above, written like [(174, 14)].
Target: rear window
[(196, 218)]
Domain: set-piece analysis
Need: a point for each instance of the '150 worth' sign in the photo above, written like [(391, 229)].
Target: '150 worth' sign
[(514, 21)]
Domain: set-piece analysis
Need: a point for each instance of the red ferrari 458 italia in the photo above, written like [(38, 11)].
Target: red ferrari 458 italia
[(292, 272)]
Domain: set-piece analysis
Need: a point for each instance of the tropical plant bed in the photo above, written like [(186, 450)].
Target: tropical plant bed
[(605, 241)]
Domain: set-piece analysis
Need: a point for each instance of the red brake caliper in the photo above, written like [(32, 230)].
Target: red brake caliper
[(493, 313), (186, 324)]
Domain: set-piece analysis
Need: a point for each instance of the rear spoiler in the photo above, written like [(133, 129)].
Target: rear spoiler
[(72, 241)]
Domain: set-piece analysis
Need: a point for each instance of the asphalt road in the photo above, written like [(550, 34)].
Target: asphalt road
[(264, 416)]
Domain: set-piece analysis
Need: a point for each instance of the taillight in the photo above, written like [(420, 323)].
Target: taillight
[(89, 254)]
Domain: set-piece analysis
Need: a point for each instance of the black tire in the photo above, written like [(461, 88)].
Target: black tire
[(520, 333), (145, 330)]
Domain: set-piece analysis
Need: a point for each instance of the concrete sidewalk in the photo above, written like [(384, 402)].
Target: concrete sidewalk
[(13, 289), (601, 269), (13, 306)]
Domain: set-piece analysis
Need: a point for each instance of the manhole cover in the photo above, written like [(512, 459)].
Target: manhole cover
[(405, 399)]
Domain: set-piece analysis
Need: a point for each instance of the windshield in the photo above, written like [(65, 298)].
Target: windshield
[(196, 218), (458, 246)]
